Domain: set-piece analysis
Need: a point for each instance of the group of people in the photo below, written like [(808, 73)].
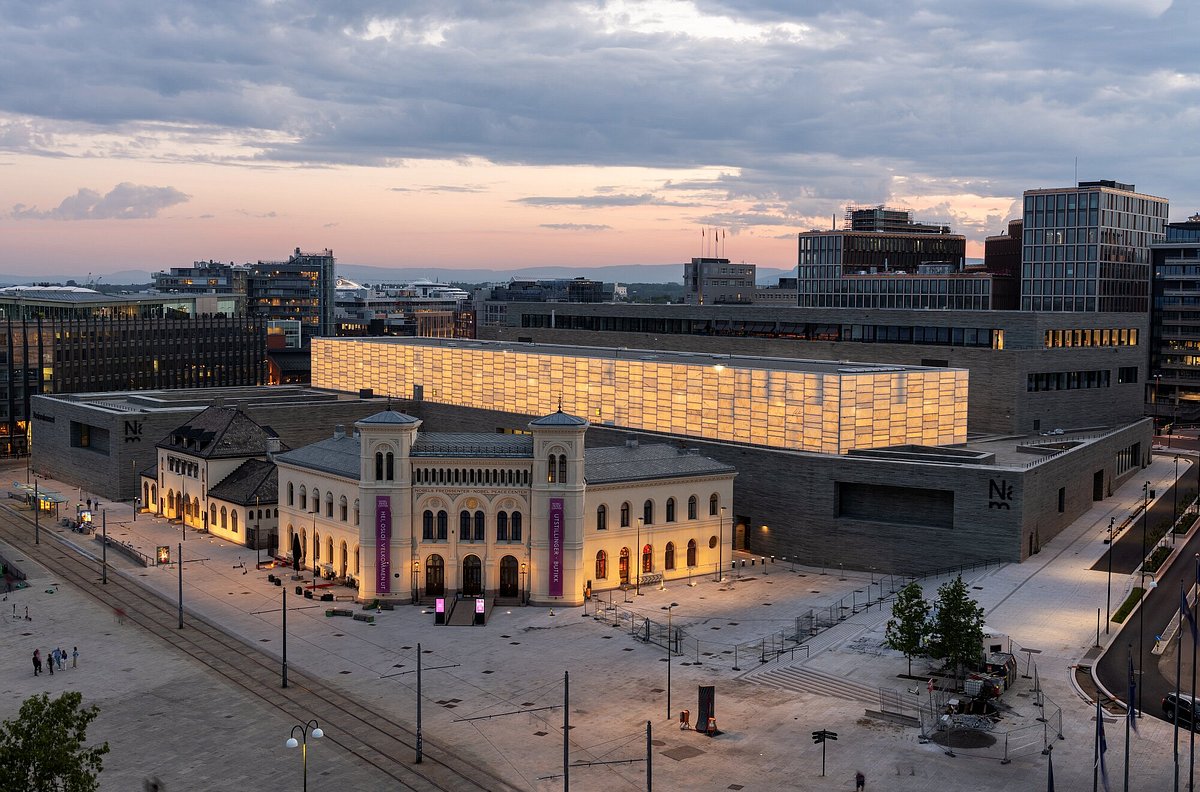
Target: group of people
[(54, 657)]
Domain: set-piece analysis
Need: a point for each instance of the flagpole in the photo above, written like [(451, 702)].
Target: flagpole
[(1128, 721), (1096, 749), (1192, 749), (1178, 673)]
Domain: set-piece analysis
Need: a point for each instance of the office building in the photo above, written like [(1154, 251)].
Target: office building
[(1087, 248), (718, 281), (1173, 388)]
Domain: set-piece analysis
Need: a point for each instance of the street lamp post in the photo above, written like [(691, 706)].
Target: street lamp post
[(670, 643), (638, 580), (1142, 610), (1108, 602), (721, 545), (37, 511), (416, 573), (305, 730), (104, 547), (1175, 508), (1157, 379), (524, 569)]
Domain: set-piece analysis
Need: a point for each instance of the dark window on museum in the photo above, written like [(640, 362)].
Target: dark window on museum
[(1062, 499), (1127, 375)]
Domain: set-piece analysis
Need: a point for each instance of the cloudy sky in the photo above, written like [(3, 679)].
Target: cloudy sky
[(503, 133)]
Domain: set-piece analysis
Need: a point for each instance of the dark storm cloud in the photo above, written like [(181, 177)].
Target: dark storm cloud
[(124, 202), (806, 104)]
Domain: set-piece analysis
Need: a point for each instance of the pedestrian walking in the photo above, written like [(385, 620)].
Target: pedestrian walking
[(37, 661), (860, 781), (74, 657), (62, 659), (50, 662)]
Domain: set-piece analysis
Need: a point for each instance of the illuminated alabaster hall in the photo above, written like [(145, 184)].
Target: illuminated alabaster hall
[(805, 405)]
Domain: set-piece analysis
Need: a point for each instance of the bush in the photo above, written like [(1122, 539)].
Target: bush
[(1134, 597), (1156, 559)]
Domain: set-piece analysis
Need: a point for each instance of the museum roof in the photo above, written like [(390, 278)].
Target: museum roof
[(473, 444), (218, 433), (390, 417), (252, 483), (337, 455), (645, 462), (559, 418), (841, 367)]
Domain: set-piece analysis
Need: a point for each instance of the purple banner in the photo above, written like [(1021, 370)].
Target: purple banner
[(556, 547), (383, 544)]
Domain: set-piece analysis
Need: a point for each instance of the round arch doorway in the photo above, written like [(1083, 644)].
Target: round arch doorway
[(435, 576), (472, 576), (508, 577)]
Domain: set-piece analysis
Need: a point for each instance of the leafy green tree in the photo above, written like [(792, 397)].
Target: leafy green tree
[(957, 634), (42, 749), (909, 625)]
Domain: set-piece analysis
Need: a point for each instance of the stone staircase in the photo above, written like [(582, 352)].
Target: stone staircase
[(802, 679)]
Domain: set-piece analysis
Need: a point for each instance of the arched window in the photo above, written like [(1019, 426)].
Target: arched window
[(233, 521), (291, 494), (356, 559), (464, 526), (669, 558), (480, 527), (647, 559), (222, 516), (601, 517), (670, 510), (443, 525), (552, 469), (316, 550), (356, 512), (391, 466), (303, 498), (623, 568), (713, 504), (691, 554), (625, 515), (692, 508), (316, 501), (601, 565), (562, 468), (329, 506), (502, 527), (427, 525), (515, 527), (343, 508), (212, 514), (329, 551), (379, 466), (648, 512)]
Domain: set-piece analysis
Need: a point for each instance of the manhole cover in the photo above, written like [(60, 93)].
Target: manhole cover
[(683, 752)]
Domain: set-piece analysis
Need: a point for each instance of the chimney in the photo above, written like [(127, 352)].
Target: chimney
[(339, 432), (272, 447), (631, 442)]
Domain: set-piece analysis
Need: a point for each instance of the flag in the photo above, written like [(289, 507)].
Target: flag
[(1050, 772), (1187, 612), (1131, 713), (1101, 745)]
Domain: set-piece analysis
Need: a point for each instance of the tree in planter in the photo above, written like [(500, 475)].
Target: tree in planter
[(957, 627), (42, 749), (909, 625)]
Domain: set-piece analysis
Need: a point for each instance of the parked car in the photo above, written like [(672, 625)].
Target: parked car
[(1185, 708)]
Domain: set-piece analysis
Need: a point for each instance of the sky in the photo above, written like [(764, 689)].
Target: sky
[(146, 134)]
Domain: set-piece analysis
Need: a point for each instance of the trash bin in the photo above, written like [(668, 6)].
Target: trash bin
[(299, 590)]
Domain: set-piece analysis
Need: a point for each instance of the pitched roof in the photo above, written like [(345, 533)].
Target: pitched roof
[(337, 455), (559, 418), (255, 482), (646, 462), (390, 417), (218, 433)]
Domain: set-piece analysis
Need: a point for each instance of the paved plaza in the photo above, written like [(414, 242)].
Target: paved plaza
[(494, 692)]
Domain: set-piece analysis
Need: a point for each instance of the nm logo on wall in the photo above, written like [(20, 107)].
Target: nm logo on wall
[(133, 431), (1000, 494)]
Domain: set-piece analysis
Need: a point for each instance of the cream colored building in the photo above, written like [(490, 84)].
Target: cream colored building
[(534, 517), (798, 405)]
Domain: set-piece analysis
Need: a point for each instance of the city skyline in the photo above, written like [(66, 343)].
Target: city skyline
[(586, 134)]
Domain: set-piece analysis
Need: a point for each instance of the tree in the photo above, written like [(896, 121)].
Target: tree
[(957, 626), (42, 749), (909, 625)]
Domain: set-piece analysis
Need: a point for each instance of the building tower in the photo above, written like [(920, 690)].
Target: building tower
[(557, 573)]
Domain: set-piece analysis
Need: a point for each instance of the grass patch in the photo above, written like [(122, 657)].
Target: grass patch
[(1156, 559), (1127, 605)]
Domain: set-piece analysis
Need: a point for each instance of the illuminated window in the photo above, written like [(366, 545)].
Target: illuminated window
[(601, 565), (691, 553)]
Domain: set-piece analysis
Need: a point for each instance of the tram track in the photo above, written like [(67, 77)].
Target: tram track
[(364, 731)]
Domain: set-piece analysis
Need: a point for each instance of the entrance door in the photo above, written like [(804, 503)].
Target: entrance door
[(472, 576), (435, 576), (508, 577), (1098, 485), (623, 566)]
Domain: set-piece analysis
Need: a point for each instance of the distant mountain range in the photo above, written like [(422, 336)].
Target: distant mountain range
[(619, 273)]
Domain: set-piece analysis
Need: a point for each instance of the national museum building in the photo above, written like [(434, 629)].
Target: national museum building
[(526, 516)]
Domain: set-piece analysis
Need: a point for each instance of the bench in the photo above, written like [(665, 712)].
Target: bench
[(364, 617), (338, 612)]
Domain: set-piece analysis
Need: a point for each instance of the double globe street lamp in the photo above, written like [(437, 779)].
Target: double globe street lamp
[(305, 730)]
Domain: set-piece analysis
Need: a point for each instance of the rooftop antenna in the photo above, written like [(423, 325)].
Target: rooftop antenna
[(560, 402), (1077, 171)]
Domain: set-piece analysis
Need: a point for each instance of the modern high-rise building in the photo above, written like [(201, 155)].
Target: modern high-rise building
[(713, 281), (1087, 248), (1173, 387)]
